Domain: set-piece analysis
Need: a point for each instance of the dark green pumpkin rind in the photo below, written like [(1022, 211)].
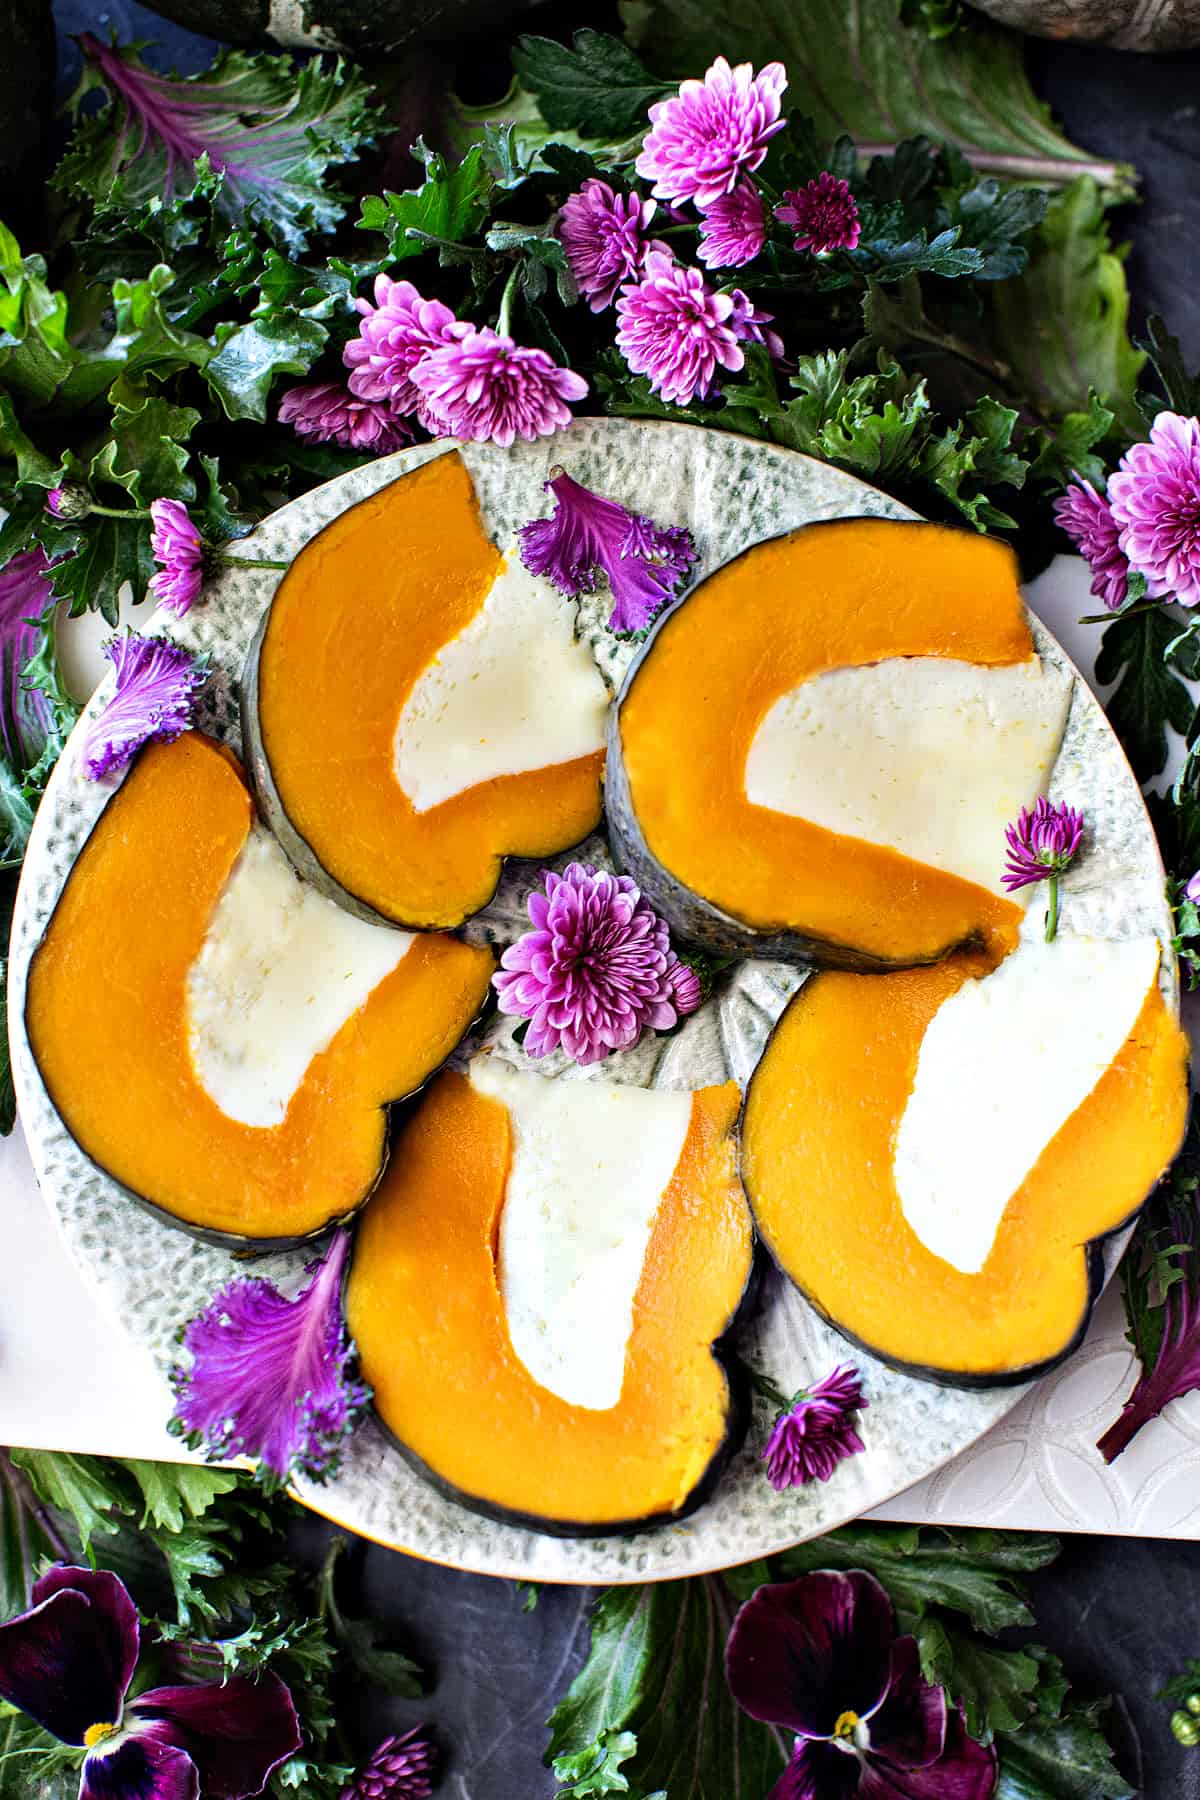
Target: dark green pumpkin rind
[(693, 918), (240, 1243), (973, 1380), (738, 1410)]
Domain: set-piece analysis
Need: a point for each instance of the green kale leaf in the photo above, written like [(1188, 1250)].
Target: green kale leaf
[(598, 87)]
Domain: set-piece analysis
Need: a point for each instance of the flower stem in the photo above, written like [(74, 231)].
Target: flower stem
[(119, 512), (1052, 909), (252, 562), (506, 300)]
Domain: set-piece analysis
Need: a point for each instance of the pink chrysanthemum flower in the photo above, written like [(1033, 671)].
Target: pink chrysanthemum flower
[(401, 1768), (1087, 519), (676, 331), (596, 970), (1155, 500), (1043, 842), (486, 389), (823, 213), (603, 238), (328, 413), (702, 138), (1192, 890), (1042, 845), (588, 537), (271, 1377), (733, 229), (179, 549), (157, 684), (395, 334), (816, 1432), (749, 323)]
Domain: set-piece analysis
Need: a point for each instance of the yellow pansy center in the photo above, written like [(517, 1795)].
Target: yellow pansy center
[(96, 1734), (846, 1726)]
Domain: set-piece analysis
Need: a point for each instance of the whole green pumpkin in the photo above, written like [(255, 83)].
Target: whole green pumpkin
[(354, 25), (1125, 24)]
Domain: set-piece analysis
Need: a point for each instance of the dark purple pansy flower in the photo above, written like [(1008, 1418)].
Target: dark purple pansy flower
[(823, 214), (733, 229), (596, 970), (1044, 841), (1086, 518), (401, 1768), (328, 413), (25, 595), (820, 1657), (816, 1432), (587, 536), (603, 236), (156, 689), (271, 1377), (68, 1663), (179, 549), (1155, 500)]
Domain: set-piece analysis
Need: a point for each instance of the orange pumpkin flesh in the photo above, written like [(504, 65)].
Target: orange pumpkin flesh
[(360, 613), (424, 1306), (107, 1022), (731, 874), (821, 1117)]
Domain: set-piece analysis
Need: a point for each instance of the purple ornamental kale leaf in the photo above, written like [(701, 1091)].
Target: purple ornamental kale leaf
[(272, 1378), (1160, 1285), (268, 128)]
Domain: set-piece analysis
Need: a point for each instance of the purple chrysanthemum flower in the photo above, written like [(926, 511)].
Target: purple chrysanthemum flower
[(603, 238), (1155, 499), (25, 596), (819, 1657), (702, 138), (157, 683), (588, 536), (488, 390), (596, 970), (270, 1377), (749, 324), (733, 229), (328, 413), (816, 1433), (400, 1768), (68, 1664), (676, 331), (179, 549), (1086, 518), (823, 213), (396, 333), (68, 503), (1043, 842)]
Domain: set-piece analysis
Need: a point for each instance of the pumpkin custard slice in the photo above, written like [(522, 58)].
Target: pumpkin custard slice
[(933, 1157), (815, 755), (417, 707), (539, 1289), (218, 1037)]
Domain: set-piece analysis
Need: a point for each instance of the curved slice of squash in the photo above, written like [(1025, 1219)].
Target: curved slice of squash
[(107, 1014), (824, 1115), (425, 1308), (699, 722), (366, 611)]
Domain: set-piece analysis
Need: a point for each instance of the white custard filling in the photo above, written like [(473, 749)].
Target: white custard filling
[(590, 1165), (926, 754), (280, 971), (514, 691), (1004, 1063)]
